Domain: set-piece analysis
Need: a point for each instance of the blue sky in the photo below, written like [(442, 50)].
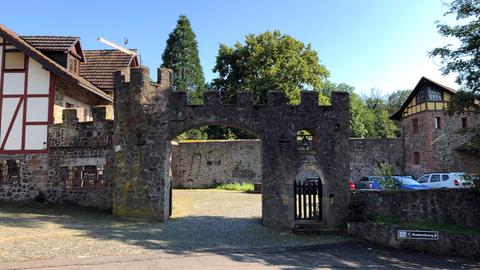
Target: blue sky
[(368, 44)]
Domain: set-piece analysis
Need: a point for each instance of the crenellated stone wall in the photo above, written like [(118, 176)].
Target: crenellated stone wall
[(149, 115), (74, 144), (43, 176)]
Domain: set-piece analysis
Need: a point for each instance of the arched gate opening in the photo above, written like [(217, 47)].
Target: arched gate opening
[(148, 115)]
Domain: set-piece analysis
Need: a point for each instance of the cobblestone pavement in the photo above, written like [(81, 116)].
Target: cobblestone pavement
[(202, 220), (210, 229)]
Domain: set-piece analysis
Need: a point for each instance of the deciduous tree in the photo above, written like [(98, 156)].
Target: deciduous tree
[(268, 61)]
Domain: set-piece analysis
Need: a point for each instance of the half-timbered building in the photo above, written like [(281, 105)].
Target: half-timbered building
[(433, 139), (40, 76)]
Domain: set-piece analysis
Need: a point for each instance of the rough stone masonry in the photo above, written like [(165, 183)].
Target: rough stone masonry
[(149, 115)]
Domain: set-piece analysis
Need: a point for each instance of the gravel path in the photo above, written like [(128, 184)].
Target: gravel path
[(203, 220)]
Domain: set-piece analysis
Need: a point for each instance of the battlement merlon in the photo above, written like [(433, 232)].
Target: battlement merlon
[(309, 98), (137, 81), (340, 101), (276, 98), (70, 115)]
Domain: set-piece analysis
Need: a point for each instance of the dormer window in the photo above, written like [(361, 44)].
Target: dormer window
[(429, 94)]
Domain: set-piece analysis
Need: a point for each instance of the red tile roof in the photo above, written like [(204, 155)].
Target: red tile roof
[(101, 64), (51, 43), (49, 64)]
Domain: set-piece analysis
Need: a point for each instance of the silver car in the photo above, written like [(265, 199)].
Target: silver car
[(445, 180)]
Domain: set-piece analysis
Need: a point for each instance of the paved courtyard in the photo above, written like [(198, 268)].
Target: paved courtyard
[(209, 229)]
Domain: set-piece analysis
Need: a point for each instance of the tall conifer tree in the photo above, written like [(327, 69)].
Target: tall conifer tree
[(181, 55)]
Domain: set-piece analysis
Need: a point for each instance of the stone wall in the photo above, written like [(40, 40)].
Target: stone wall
[(33, 178), (43, 176), (207, 163), (367, 154), (437, 147), (73, 144), (448, 243), (451, 206)]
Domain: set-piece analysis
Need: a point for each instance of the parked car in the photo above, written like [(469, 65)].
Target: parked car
[(407, 183), (369, 182), (446, 180)]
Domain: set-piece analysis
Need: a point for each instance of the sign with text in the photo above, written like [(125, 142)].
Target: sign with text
[(417, 235)]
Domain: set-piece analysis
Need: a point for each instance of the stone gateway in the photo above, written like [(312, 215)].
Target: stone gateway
[(148, 116)]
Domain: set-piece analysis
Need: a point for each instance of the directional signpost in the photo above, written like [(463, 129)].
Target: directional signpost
[(417, 235)]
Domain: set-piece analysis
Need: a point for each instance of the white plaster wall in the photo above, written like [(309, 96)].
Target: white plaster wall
[(38, 78), (37, 108)]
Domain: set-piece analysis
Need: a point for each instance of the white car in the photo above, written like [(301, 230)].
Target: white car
[(445, 180)]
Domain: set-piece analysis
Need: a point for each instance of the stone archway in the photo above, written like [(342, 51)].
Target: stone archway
[(148, 116)]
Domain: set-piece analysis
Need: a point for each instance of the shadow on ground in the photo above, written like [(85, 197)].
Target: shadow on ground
[(241, 239)]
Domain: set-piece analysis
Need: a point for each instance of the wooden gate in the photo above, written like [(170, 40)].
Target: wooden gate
[(308, 199)]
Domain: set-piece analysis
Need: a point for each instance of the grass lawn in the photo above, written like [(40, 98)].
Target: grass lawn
[(244, 187)]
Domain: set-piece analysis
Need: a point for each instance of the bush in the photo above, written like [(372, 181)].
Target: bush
[(385, 169)]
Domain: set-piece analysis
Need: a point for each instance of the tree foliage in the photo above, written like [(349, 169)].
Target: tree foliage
[(464, 59), (369, 114), (181, 55), (268, 61), (396, 99)]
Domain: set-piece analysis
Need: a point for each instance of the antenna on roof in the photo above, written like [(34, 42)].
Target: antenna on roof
[(116, 46)]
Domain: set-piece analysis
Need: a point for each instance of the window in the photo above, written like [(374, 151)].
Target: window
[(84, 177), (416, 158), (9, 171), (445, 177), (304, 140), (73, 65), (421, 96), (415, 125), (364, 179), (435, 178), (429, 94), (438, 123), (434, 94), (424, 179), (464, 122)]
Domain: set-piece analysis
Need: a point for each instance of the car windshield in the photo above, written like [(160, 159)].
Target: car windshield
[(462, 176), (408, 181)]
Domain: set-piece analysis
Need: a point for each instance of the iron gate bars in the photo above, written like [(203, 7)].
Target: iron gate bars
[(308, 199)]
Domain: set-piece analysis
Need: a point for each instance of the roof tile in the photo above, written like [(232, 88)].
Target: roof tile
[(51, 43), (101, 64)]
